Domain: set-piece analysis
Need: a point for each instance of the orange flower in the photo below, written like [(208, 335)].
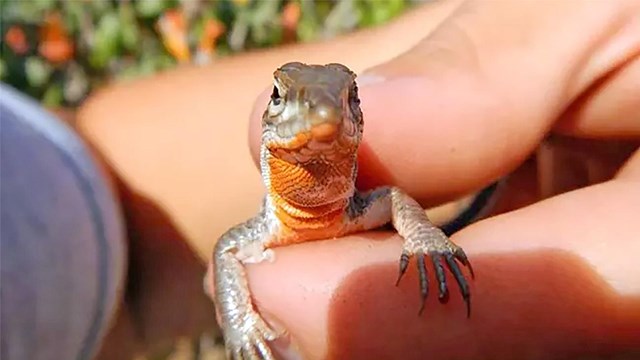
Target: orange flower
[(173, 30), (290, 18), (212, 31), (55, 44), (17, 40)]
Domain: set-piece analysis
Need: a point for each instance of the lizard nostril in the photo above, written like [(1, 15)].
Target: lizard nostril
[(323, 112)]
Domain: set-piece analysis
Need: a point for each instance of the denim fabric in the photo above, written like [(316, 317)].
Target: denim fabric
[(62, 249)]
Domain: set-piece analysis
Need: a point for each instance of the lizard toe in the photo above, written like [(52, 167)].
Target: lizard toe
[(440, 253), (251, 342)]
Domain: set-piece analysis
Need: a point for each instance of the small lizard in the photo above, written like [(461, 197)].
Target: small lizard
[(311, 131)]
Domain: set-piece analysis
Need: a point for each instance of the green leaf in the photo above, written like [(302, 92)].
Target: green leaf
[(150, 8), (129, 32), (21, 11), (265, 29), (74, 12), (307, 29), (165, 62), (382, 14), (106, 40), (3, 69), (99, 7), (37, 71), (309, 23), (42, 5), (53, 95)]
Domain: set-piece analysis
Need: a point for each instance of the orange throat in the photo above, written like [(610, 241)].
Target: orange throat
[(299, 192)]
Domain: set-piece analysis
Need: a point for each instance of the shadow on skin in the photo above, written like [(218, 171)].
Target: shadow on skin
[(163, 266), (538, 305), (375, 174), (163, 293)]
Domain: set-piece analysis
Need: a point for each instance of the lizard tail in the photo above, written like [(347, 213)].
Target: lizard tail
[(478, 209)]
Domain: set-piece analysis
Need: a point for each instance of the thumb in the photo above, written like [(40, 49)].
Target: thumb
[(471, 101)]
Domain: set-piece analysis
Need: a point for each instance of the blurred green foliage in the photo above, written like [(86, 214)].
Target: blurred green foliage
[(59, 50)]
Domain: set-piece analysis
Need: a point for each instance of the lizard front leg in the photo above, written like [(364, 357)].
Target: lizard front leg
[(245, 331), (421, 238)]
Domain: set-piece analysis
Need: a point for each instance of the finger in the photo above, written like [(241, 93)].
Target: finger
[(553, 278), (609, 109), (473, 102)]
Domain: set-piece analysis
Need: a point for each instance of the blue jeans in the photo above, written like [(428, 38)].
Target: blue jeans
[(62, 246)]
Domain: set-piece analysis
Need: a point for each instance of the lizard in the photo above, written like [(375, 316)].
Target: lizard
[(311, 130)]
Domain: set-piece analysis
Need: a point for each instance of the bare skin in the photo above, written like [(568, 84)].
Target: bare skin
[(576, 289)]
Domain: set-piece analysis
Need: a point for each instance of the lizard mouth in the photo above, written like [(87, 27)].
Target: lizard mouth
[(306, 132), (294, 135), (325, 132)]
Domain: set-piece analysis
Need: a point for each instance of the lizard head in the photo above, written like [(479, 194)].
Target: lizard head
[(314, 111), (311, 130)]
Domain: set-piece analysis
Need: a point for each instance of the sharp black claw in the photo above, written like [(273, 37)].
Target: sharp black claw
[(404, 263), (443, 292), (462, 282), (424, 281), (460, 255)]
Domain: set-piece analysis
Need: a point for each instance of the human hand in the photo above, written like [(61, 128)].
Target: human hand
[(472, 101)]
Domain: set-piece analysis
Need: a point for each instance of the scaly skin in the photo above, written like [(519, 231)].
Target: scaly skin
[(311, 131)]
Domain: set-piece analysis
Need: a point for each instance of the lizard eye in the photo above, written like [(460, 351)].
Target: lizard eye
[(275, 96), (276, 105)]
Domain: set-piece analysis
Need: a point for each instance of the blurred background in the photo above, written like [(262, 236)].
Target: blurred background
[(59, 51)]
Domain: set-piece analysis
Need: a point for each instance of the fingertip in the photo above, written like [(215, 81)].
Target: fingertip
[(298, 289)]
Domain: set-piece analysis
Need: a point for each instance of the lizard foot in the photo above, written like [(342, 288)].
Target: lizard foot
[(435, 244), (247, 340)]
